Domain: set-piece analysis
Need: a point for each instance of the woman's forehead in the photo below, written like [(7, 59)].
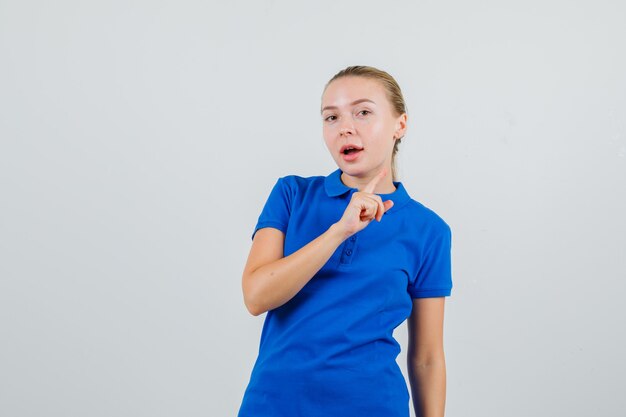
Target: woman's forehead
[(346, 90)]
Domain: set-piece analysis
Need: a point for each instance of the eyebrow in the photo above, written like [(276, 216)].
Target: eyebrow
[(361, 100)]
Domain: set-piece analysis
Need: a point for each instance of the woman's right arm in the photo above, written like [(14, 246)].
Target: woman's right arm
[(270, 280)]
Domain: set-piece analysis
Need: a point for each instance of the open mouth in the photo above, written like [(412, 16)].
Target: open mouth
[(350, 153), (350, 150)]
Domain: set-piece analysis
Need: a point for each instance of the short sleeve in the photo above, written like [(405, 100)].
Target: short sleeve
[(434, 277), (276, 211)]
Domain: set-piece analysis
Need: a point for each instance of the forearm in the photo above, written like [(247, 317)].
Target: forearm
[(274, 284), (428, 386)]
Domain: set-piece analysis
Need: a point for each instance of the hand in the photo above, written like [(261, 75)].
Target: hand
[(364, 207)]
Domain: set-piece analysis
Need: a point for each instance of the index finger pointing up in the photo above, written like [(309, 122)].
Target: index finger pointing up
[(369, 188)]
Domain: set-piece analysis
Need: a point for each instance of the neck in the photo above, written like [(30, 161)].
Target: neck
[(385, 186)]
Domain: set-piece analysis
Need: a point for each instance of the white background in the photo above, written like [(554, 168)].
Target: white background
[(139, 141)]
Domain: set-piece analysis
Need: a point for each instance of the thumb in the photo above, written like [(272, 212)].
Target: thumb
[(388, 204)]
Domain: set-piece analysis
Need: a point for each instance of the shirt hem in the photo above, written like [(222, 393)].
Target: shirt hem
[(277, 225), (431, 293)]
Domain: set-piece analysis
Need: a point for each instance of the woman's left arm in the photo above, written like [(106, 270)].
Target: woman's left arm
[(426, 364)]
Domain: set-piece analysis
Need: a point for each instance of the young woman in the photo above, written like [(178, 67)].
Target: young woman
[(338, 262)]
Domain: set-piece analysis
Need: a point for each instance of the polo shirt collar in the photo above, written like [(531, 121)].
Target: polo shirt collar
[(335, 187)]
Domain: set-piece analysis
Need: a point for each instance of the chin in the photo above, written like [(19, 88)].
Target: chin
[(352, 170)]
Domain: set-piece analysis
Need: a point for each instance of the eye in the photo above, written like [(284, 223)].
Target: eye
[(364, 112), (330, 118)]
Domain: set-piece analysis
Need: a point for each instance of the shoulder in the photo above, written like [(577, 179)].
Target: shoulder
[(295, 183), (299, 179), (426, 219)]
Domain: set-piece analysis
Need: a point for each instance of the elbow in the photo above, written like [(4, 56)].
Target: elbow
[(424, 360), (253, 308), (251, 300)]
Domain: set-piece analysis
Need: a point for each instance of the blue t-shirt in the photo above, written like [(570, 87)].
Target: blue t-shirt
[(329, 350)]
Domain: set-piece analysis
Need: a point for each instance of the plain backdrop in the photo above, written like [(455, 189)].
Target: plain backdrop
[(139, 141)]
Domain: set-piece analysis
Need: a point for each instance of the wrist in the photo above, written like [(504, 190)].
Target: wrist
[(337, 231)]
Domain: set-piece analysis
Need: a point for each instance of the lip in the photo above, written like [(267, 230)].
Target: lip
[(351, 156), (349, 145)]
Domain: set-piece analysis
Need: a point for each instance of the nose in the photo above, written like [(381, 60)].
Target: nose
[(346, 130)]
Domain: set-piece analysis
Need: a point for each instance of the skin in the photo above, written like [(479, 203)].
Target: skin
[(374, 126), (269, 279)]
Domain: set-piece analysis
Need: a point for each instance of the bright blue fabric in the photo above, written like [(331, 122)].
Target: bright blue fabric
[(330, 351)]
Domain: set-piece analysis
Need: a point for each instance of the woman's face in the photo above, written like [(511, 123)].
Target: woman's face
[(357, 113)]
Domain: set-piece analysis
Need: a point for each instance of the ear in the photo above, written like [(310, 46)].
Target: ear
[(401, 124)]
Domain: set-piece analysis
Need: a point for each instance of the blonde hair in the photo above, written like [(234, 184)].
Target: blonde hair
[(394, 94)]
